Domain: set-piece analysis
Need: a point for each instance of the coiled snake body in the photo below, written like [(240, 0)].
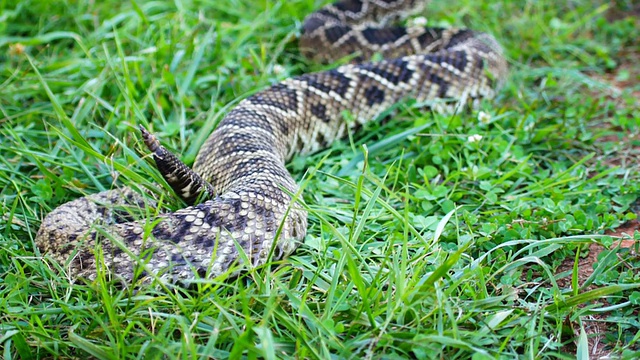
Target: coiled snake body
[(250, 214)]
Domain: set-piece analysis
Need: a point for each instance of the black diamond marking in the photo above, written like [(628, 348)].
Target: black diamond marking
[(374, 95), (250, 118), (269, 101), (339, 79), (312, 24), (287, 93), (320, 111), (259, 210), (116, 250), (332, 80), (283, 125), (244, 117), (458, 60), (275, 117), (459, 37), (208, 243), (404, 74), (353, 6), (279, 96), (429, 36), (240, 222), (381, 36), (247, 118), (177, 259), (121, 216), (130, 236), (336, 32), (443, 86), (212, 218), (311, 81), (163, 231), (236, 204)]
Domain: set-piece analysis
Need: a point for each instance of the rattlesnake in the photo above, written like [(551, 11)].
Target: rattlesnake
[(250, 215)]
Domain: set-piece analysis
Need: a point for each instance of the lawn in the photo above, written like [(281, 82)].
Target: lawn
[(486, 234)]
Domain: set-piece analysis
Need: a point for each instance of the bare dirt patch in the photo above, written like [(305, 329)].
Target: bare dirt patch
[(596, 325)]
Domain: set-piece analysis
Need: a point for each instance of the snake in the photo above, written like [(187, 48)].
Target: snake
[(242, 209)]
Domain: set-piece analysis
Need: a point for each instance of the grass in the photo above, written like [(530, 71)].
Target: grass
[(430, 236)]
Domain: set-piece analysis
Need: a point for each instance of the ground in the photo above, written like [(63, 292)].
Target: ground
[(625, 77), (491, 233)]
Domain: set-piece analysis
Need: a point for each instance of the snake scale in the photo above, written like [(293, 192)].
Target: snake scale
[(240, 193)]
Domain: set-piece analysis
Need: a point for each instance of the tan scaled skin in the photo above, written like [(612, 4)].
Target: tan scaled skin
[(250, 213)]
